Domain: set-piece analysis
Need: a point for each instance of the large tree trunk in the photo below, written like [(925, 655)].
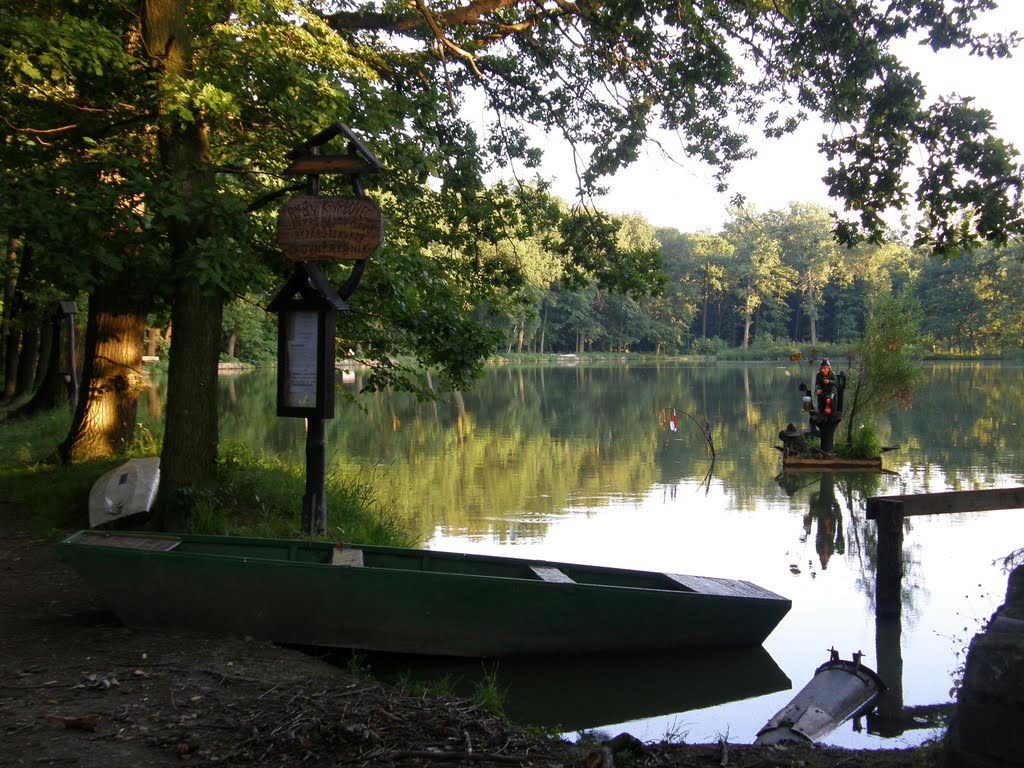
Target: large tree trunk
[(28, 359), (104, 420), (7, 302), (12, 343), (232, 341), (812, 311), (13, 310), (543, 329), (155, 336), (49, 335), (189, 455), (52, 392)]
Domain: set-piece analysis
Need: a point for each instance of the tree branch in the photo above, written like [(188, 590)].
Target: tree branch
[(465, 15)]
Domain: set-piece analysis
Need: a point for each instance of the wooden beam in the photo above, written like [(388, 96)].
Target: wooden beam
[(947, 503), (314, 164)]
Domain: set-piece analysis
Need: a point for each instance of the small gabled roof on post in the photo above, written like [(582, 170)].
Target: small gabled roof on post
[(307, 281), (306, 157)]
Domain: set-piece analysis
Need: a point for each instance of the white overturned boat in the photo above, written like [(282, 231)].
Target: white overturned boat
[(129, 489)]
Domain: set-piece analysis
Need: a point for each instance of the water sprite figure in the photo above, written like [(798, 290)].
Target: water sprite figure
[(828, 387), (824, 405), (825, 387)]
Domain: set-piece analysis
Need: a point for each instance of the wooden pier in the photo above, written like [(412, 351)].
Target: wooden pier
[(889, 511), (892, 717)]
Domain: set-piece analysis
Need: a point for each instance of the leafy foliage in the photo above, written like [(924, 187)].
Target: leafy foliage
[(885, 364), (149, 143)]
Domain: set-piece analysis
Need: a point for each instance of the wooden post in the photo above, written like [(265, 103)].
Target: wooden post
[(314, 502), (69, 309), (892, 717), (827, 429), (889, 512), (889, 568), (314, 228)]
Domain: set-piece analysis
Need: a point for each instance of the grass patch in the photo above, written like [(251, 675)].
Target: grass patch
[(53, 498), (488, 692), (445, 687), (257, 495), (260, 495)]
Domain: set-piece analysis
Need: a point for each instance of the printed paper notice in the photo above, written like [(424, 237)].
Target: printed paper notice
[(300, 384)]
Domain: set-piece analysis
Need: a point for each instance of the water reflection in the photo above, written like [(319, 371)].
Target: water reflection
[(573, 464), (583, 693)]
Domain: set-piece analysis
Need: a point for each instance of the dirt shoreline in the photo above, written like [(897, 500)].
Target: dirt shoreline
[(79, 689)]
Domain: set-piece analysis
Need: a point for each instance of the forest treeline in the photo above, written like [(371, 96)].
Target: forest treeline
[(766, 282)]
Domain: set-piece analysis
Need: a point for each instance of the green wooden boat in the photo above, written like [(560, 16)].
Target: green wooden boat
[(411, 601)]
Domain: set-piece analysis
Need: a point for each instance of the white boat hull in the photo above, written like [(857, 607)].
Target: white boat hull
[(129, 489)]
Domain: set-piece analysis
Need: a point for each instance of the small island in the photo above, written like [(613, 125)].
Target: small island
[(814, 447)]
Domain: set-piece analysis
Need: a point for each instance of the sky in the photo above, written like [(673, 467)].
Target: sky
[(682, 194)]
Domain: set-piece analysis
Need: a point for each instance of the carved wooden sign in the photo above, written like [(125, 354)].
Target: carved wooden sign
[(314, 228)]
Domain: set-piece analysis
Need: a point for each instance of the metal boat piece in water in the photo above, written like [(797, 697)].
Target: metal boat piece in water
[(838, 691)]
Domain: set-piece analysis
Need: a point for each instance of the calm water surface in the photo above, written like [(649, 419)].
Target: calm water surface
[(579, 463)]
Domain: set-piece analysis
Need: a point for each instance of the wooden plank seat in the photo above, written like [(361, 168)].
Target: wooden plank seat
[(707, 585), (550, 574), (148, 542), (348, 556)]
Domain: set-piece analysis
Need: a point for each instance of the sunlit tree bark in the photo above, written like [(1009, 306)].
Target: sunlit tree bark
[(104, 420)]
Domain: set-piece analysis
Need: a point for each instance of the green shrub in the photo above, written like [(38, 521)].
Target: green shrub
[(710, 347), (865, 444)]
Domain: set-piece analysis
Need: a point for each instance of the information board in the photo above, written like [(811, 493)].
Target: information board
[(300, 364), (314, 228)]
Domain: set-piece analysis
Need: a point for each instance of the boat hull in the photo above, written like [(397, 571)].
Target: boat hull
[(412, 601), (124, 491)]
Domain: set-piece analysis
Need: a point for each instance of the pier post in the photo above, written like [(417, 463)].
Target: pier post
[(888, 514)]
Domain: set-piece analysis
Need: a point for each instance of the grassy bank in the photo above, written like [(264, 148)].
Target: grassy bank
[(257, 495)]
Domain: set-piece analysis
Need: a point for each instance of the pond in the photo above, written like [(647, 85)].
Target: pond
[(583, 463)]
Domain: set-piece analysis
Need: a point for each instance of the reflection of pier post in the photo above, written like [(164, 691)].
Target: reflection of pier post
[(889, 614), (891, 717), (889, 656)]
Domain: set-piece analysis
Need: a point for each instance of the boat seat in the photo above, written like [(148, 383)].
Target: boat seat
[(347, 556), (551, 574), (153, 543), (709, 585)]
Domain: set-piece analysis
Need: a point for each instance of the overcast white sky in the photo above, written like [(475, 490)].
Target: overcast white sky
[(790, 170)]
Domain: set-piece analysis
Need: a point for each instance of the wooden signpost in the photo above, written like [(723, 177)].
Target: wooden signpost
[(313, 228)]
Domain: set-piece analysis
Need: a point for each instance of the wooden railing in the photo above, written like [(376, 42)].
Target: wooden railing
[(889, 511)]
